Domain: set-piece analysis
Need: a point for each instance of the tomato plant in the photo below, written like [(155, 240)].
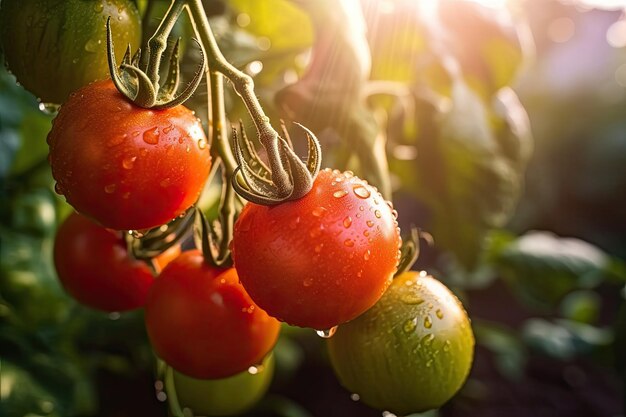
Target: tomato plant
[(409, 353), (323, 259), (94, 267), (202, 322), (226, 396), (123, 166), (56, 47)]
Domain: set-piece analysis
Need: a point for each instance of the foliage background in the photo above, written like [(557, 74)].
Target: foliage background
[(505, 140)]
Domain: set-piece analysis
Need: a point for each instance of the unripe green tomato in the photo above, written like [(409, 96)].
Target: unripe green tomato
[(226, 396), (409, 353), (57, 46)]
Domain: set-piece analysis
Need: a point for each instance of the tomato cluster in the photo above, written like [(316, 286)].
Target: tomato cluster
[(324, 260)]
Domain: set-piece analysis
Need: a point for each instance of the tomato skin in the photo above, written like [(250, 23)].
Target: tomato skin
[(201, 321), (123, 166), (55, 47), (94, 267), (409, 353), (226, 396), (323, 259)]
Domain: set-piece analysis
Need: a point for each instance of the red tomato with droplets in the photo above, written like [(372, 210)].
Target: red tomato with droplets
[(201, 321), (126, 167), (321, 260), (94, 267)]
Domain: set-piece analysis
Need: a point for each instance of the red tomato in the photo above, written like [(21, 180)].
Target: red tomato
[(94, 267), (201, 321), (323, 259), (123, 166)]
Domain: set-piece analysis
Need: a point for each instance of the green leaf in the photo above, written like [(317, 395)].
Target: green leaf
[(509, 351), (469, 169), (564, 339), (542, 267)]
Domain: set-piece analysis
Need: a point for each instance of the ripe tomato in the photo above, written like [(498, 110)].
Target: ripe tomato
[(202, 322), (323, 259), (123, 166), (409, 353), (56, 47), (94, 267), (227, 396)]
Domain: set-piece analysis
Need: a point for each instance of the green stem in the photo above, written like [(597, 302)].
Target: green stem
[(219, 138), (244, 86), (170, 390), (158, 42)]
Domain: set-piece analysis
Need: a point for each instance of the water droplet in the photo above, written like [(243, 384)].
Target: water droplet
[(188, 149), (349, 243), (366, 233), (423, 273), (202, 144), (377, 214), (347, 222), (428, 323), (411, 298), (446, 346), (151, 136), (439, 314), (361, 191), (58, 189), (355, 397), (339, 179), (340, 193), (367, 255), (409, 326), (328, 333), (168, 129), (136, 234), (165, 183), (318, 211), (49, 108), (117, 139), (394, 213), (316, 231), (409, 283), (92, 45), (128, 162), (253, 370), (114, 315), (161, 396), (369, 223), (429, 363), (98, 7), (348, 174), (361, 208), (428, 339), (307, 282), (110, 189), (293, 224)]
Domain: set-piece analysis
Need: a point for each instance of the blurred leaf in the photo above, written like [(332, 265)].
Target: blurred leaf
[(542, 267), (485, 41), (469, 168), (564, 339), (582, 306), (509, 351)]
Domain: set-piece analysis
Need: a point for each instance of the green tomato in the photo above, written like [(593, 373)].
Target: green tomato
[(409, 353), (227, 396), (57, 46)]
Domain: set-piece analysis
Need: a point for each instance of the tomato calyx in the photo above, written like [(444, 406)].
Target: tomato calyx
[(286, 178), (139, 82)]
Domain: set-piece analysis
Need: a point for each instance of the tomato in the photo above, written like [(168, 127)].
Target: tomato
[(323, 259), (94, 267), (409, 353), (123, 166), (55, 47), (227, 396), (201, 321)]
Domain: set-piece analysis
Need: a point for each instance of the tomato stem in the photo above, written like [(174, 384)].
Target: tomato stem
[(289, 180), (172, 396)]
